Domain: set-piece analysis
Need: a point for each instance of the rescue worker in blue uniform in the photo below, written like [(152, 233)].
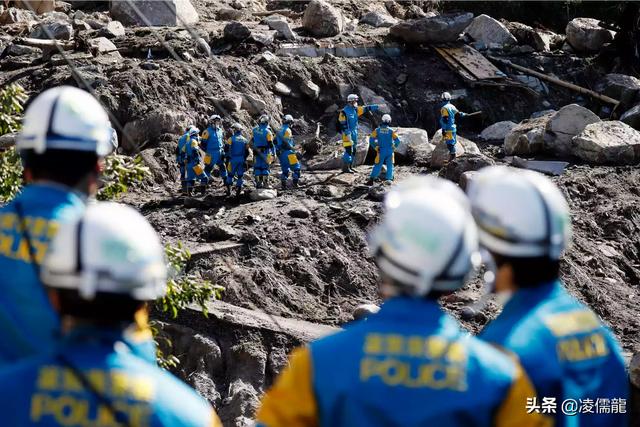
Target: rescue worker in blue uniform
[(384, 140), (348, 123), (524, 222), (410, 364), (181, 155), (213, 146), (236, 152), (65, 135), (100, 272), (193, 162), (264, 151), (287, 153), (448, 113)]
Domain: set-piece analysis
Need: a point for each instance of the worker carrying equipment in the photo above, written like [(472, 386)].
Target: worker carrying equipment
[(287, 153), (101, 270), (213, 146), (348, 123), (448, 113), (236, 153), (384, 141), (523, 221), (264, 151), (194, 168), (65, 135), (410, 364)]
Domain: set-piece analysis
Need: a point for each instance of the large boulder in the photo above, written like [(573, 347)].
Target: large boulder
[(619, 86), (632, 117), (487, 30), (608, 142), (280, 24), (498, 131), (440, 154), (414, 145), (370, 97), (454, 169), (146, 130), (236, 31), (331, 158), (540, 40), (434, 29), (158, 13), (59, 29), (378, 17), (527, 137), (585, 35), (322, 19), (569, 121), (310, 89)]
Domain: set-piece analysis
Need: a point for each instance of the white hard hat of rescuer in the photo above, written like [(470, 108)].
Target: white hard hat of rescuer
[(352, 97), (446, 96)]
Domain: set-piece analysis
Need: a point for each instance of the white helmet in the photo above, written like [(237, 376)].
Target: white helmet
[(519, 213), (263, 119), (446, 96), (236, 126), (194, 131), (386, 118), (352, 97), (110, 249), (215, 117), (427, 239), (66, 118), (288, 118)]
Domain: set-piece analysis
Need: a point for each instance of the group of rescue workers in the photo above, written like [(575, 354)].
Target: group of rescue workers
[(233, 155), (77, 278)]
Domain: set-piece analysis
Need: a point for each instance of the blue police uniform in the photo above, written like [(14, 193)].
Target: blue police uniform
[(263, 150), (28, 323), (181, 155), (384, 140), (408, 365), (236, 150), (348, 120), (287, 153), (565, 350), (194, 169), (448, 125), (48, 391), (213, 144)]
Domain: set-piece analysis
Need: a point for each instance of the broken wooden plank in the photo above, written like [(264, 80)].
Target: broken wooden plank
[(473, 62), (455, 65), (557, 81)]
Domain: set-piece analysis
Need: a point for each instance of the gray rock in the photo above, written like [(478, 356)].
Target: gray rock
[(608, 142), (541, 113), (533, 82), (13, 15), (59, 30), (437, 29), (454, 169), (300, 212), (632, 117), (149, 65), (158, 13), (236, 31), (262, 194), (585, 35), (280, 24), (370, 97), (228, 14), (282, 89), (146, 130), (333, 160), (112, 29), (497, 131), (441, 153), (19, 50), (231, 102), (619, 86), (540, 40), (265, 38), (378, 18), (527, 137), (329, 191), (95, 24), (253, 104), (310, 89), (203, 47), (377, 193), (569, 121), (488, 30), (414, 145), (80, 25), (364, 310), (104, 46), (466, 178), (218, 232), (322, 19)]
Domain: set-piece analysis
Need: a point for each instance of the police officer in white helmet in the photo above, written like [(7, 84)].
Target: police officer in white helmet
[(65, 134)]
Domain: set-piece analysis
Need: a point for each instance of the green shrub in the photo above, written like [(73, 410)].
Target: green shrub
[(12, 99), (120, 173)]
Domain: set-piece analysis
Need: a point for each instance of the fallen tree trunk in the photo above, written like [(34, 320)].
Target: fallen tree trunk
[(557, 81), (43, 43)]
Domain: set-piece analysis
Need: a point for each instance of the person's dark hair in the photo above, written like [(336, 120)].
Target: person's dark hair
[(104, 309), (530, 272), (62, 166), (404, 289)]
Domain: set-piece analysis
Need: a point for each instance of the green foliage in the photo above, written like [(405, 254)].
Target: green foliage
[(120, 173), (10, 175), (182, 291), (12, 99)]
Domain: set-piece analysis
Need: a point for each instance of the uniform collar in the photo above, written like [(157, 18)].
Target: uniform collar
[(37, 188), (417, 311), (532, 296), (87, 334)]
